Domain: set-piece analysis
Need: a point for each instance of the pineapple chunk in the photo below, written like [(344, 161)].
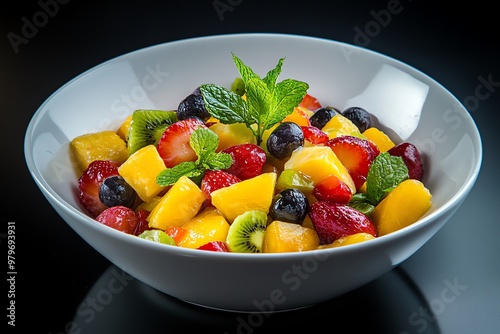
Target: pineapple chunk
[(299, 116), (140, 171), (403, 206), (380, 138), (103, 145), (123, 129), (251, 194), (180, 203), (340, 125), (289, 237), (351, 239), (206, 227), (319, 162), (232, 134)]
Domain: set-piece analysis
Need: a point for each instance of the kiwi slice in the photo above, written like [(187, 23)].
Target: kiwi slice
[(147, 127), (246, 233)]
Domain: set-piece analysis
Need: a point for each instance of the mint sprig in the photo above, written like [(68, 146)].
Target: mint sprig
[(204, 143), (267, 102)]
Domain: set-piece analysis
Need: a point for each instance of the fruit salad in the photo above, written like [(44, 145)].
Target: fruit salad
[(259, 167)]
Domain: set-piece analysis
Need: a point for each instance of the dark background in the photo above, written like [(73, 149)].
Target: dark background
[(451, 285)]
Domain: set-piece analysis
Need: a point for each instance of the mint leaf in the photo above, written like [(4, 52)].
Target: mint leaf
[(225, 105), (385, 173), (204, 142)]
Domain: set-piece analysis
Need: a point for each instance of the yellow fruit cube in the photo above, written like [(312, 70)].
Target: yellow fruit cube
[(103, 145), (403, 206), (206, 227), (380, 138), (299, 116), (232, 134), (319, 162), (283, 237), (124, 127), (140, 171), (180, 203), (251, 194), (340, 125), (351, 239)]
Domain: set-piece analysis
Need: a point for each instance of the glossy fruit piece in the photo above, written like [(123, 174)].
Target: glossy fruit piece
[(322, 116), (124, 128), (232, 134), (314, 136), (103, 145), (120, 218), (174, 146), (332, 189), (289, 205), (181, 203), (176, 232), (349, 240), (205, 227), (319, 162), (142, 179), (356, 155), (215, 246), (285, 139), (411, 157), (335, 220), (310, 102), (252, 194), (299, 116), (283, 237), (379, 138), (216, 179), (143, 224), (340, 125), (359, 116), (90, 182), (158, 236), (248, 160), (403, 206), (192, 106), (115, 191), (295, 179), (148, 206)]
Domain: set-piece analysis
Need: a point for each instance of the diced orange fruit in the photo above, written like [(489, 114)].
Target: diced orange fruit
[(180, 203), (232, 134), (299, 116), (176, 232), (403, 206), (351, 239), (340, 125), (103, 145), (140, 171), (289, 237), (319, 162), (379, 138), (251, 194), (124, 127), (206, 227)]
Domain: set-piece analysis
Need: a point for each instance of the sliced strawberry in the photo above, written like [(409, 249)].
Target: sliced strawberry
[(216, 179), (334, 220), (356, 154), (314, 135), (332, 189), (120, 218), (310, 102), (411, 157), (215, 246), (174, 146), (143, 224), (90, 181), (248, 160)]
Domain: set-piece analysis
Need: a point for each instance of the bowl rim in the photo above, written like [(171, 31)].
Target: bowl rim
[(79, 216)]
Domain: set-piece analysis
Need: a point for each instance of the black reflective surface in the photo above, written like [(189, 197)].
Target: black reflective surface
[(61, 285)]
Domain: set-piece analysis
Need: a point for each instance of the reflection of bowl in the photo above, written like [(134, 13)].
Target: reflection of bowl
[(403, 310), (407, 102)]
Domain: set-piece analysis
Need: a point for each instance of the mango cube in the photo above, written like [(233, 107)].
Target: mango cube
[(206, 227), (283, 237), (140, 171), (380, 138)]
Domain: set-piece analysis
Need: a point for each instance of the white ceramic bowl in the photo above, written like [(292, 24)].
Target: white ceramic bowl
[(408, 105)]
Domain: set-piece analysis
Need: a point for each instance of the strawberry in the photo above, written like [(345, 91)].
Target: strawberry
[(90, 181), (334, 220), (174, 146), (215, 246), (142, 225), (356, 154), (248, 160), (314, 135), (332, 189), (411, 157), (216, 179), (310, 102), (120, 218)]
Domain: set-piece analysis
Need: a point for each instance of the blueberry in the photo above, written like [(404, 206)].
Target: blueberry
[(193, 106), (115, 191), (287, 137), (289, 205), (359, 116), (322, 116)]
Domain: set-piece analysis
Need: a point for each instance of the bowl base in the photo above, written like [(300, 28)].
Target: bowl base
[(248, 311)]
